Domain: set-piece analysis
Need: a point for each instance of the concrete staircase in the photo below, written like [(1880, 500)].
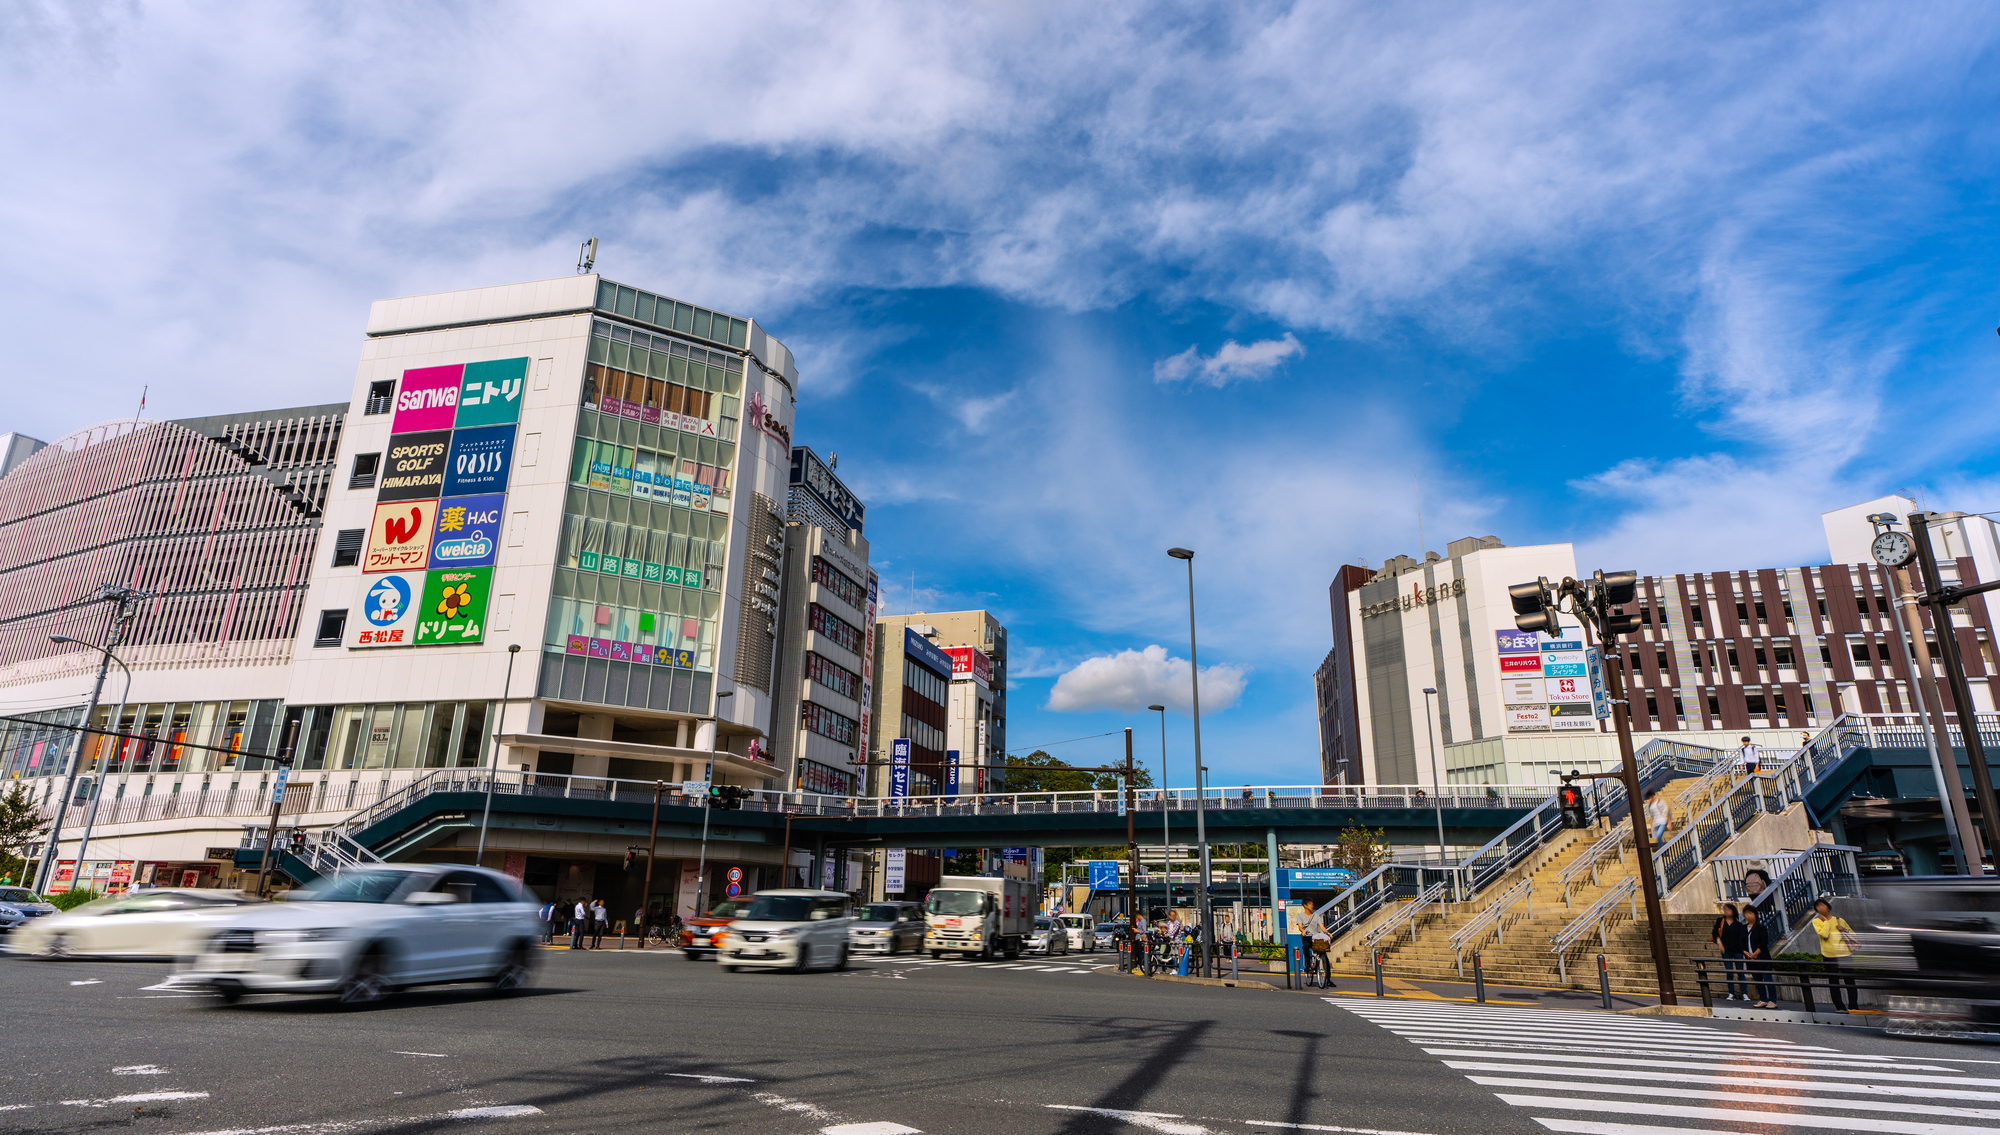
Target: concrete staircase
[(1523, 956)]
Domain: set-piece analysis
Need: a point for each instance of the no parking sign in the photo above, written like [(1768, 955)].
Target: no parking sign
[(735, 887)]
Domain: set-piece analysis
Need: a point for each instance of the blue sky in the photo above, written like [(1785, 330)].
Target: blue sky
[(1665, 281)]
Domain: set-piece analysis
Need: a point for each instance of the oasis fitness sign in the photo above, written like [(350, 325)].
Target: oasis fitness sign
[(427, 566)]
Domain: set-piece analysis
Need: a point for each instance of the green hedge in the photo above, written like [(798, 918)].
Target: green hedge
[(69, 900)]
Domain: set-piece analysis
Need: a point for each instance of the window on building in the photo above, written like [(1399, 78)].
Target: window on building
[(1826, 654), (1778, 703), (1694, 615), (838, 582), (1714, 706), (1757, 652), (1881, 605), (827, 723), (1652, 707), (1807, 698), (1660, 656), (1761, 616), (1821, 601), (365, 466), (347, 547), (833, 676), (1781, 656), (332, 625), (380, 396), (1694, 660), (1742, 613), (1678, 711), (1645, 616), (1861, 602), (1733, 664), (922, 682), (837, 630), (1882, 651), (1755, 704)]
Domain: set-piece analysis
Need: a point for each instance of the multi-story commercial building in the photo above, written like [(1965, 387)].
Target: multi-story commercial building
[(821, 709), (591, 472), (16, 448), (1765, 652)]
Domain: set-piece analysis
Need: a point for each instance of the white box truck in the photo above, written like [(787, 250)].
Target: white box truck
[(978, 916)]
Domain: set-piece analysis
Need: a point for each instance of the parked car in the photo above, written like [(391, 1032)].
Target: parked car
[(1082, 934), (20, 906), (703, 934), (887, 928), (1048, 937), (366, 933), (1109, 934), (164, 923), (789, 929)]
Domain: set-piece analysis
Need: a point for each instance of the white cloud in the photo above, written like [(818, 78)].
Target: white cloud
[(1231, 362), (1134, 679)]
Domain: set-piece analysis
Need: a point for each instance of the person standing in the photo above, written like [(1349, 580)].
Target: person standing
[(1836, 944), (1759, 955), (1746, 758), (600, 921), (579, 924), (1734, 942), (549, 922)]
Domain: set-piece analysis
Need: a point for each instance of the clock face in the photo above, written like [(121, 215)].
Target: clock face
[(1894, 549)]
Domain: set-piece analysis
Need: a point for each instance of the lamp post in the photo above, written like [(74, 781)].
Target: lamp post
[(117, 715), (1166, 817), (1200, 792), (1437, 792), (493, 766), (708, 795), (126, 598)]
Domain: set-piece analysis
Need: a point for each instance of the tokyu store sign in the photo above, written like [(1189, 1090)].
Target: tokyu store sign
[(1545, 683), (428, 564)]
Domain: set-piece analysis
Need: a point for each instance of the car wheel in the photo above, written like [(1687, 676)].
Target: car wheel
[(690, 955), (230, 994), (840, 963), (58, 947), (805, 959), (517, 972), (368, 981), (732, 969)]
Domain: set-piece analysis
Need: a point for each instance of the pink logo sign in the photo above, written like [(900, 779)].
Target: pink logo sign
[(427, 399)]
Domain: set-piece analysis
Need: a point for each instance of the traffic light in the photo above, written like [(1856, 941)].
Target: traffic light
[(630, 855), (1618, 588), (1534, 607), (1575, 809), (727, 797)]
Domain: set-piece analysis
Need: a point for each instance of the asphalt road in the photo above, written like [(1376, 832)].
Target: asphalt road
[(615, 1041)]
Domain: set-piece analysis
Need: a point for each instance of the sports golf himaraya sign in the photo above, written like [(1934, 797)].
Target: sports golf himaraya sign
[(427, 566)]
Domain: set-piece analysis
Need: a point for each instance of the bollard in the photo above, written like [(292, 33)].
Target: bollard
[(1604, 982), (1379, 991), (1478, 980)]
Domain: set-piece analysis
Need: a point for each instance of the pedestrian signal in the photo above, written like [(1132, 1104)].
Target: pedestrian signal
[(1575, 809)]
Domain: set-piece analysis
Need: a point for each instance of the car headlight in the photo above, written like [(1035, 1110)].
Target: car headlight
[(291, 937)]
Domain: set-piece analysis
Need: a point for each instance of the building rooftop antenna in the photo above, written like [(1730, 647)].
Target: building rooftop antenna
[(586, 256)]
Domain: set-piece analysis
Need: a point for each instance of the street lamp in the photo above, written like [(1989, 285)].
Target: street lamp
[(117, 715), (1437, 792), (1200, 792), (707, 795), (493, 766), (126, 598), (1166, 818)]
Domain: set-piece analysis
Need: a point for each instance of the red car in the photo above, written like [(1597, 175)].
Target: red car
[(702, 937)]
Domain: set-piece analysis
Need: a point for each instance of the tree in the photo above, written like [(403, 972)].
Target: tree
[(21, 825), (1360, 850), (1065, 777)]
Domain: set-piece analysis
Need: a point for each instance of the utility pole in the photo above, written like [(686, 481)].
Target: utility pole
[(1132, 863), (126, 598), (1595, 602), (493, 766), (652, 845), (1940, 599), (277, 805)]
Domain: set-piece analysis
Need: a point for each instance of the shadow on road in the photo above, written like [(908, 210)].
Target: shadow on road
[(1302, 1092), (1171, 1044)]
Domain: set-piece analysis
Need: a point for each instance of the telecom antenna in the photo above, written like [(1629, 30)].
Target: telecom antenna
[(586, 256)]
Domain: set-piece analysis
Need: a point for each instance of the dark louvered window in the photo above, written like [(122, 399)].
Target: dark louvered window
[(347, 547)]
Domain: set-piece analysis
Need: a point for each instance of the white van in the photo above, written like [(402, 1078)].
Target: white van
[(1082, 931), (796, 930)]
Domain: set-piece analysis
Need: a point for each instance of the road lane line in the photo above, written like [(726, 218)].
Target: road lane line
[(1150, 1120), (1899, 1107), (1890, 1090), (708, 1079), (138, 1097), (395, 1052), (1575, 1067), (503, 1111), (139, 1070), (878, 1128), (1759, 1117), (1323, 1127)]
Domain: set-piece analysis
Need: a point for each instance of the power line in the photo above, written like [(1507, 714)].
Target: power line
[(1071, 741)]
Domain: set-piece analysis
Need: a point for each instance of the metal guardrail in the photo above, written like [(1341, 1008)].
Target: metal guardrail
[(1594, 856), (1492, 920), (1824, 870), (1406, 917), (1596, 917)]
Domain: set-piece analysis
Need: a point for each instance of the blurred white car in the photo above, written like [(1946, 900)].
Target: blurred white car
[(164, 923), (1082, 931), (364, 934), (20, 906), (791, 929)]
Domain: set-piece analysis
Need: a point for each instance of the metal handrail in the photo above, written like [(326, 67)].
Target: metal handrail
[(1792, 893), (1493, 919), (1594, 918), (1407, 916), (1594, 856)]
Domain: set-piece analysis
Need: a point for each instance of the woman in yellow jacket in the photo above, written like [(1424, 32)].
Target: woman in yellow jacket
[(1836, 942)]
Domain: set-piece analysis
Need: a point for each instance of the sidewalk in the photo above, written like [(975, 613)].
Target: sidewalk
[(1428, 990)]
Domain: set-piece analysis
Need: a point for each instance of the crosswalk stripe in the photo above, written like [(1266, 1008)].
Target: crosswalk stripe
[(1899, 1107), (1568, 1061), (1747, 1115)]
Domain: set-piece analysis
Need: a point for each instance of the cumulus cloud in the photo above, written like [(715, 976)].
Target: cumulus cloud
[(1232, 362), (1134, 679)]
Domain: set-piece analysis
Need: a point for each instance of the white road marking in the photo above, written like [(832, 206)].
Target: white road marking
[(1150, 1120), (869, 1129), (1899, 1107), (708, 1079), (1746, 1115), (92, 981), (442, 1055), (800, 1106), (140, 1097), (139, 1070), (1323, 1127), (503, 1111)]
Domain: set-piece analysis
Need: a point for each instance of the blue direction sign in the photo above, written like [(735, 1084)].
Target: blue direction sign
[(1317, 879), (1104, 874), (1600, 700)]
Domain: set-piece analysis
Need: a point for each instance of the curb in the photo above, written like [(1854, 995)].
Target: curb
[(1666, 1011), (1221, 982)]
